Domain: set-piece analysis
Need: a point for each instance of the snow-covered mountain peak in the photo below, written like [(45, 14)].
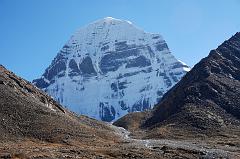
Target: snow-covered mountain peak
[(112, 21), (109, 18), (110, 30), (109, 68)]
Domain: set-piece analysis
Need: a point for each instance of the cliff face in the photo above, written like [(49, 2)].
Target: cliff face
[(109, 68)]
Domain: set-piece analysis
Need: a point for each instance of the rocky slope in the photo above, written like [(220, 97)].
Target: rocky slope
[(204, 104), (109, 68)]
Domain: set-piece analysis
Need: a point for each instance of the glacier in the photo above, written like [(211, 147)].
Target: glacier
[(110, 68)]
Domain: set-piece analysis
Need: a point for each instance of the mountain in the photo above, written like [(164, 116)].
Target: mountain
[(205, 103), (109, 68)]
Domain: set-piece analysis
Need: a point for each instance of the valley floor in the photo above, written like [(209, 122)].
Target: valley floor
[(183, 148), (127, 147)]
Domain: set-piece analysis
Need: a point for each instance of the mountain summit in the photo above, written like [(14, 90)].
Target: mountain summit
[(109, 68)]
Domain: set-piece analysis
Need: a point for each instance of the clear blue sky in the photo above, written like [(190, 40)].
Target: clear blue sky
[(33, 31)]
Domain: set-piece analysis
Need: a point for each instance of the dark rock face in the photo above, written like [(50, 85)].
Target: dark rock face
[(113, 60), (74, 68), (140, 61), (86, 66), (161, 46), (141, 105), (107, 113), (206, 100), (58, 67), (41, 83)]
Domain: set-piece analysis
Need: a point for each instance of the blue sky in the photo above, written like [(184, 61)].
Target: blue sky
[(33, 31)]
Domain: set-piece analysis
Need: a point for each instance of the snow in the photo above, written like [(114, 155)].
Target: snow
[(83, 94)]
